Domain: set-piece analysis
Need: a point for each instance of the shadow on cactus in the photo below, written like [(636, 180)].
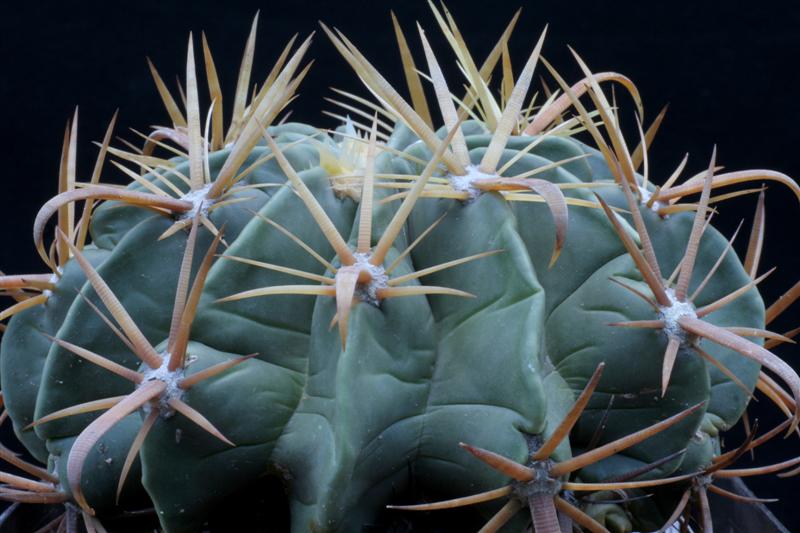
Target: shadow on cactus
[(374, 296)]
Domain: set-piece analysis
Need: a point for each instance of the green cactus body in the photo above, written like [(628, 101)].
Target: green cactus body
[(348, 423)]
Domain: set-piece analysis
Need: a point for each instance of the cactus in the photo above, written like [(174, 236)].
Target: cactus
[(361, 313)]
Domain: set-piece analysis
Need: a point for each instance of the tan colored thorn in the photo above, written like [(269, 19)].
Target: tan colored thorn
[(22, 496), (599, 453), (22, 306), (758, 471), (359, 126), (758, 332), (756, 242), (309, 290), (748, 349), (456, 502), (624, 485), (676, 514), (548, 114), (645, 158), (641, 230), (169, 102), (587, 121), (670, 355), (418, 100), (87, 439), (86, 217), (346, 281), (771, 343), (155, 139), (730, 178), (243, 83), (34, 470), (671, 280), (501, 517), (377, 83), (550, 193), (323, 221), (566, 425), (22, 483), (178, 225), (715, 267), (99, 192), (215, 92), (392, 118), (133, 452), (738, 497), (510, 116), (86, 407), (65, 210), (654, 283), (147, 184), (420, 290), (775, 394), (641, 324), (212, 371), (398, 220), (437, 268), (728, 298), (724, 369), (639, 154), (693, 245), (142, 346), (270, 80), (196, 171), (476, 80), (201, 421), (27, 281), (578, 516), (782, 303), (502, 464), (364, 241), (277, 268), (99, 360), (359, 112), (187, 312), (521, 153), (609, 121), (507, 81), (263, 112), (446, 106), (182, 287), (414, 244), (635, 291)]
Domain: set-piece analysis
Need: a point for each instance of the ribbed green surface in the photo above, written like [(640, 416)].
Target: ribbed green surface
[(418, 375)]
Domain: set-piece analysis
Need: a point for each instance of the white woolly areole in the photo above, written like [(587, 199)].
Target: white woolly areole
[(171, 378), (646, 195), (670, 314), (464, 183), (368, 292), (54, 277), (199, 200)]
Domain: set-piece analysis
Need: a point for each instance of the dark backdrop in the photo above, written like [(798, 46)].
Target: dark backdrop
[(728, 71)]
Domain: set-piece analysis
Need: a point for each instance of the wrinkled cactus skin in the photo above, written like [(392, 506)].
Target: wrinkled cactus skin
[(344, 428)]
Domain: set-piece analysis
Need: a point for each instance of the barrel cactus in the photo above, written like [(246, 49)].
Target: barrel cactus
[(365, 314)]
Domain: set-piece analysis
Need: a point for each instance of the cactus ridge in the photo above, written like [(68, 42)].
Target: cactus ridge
[(353, 310)]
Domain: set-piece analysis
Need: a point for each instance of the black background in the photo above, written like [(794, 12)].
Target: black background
[(729, 71)]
